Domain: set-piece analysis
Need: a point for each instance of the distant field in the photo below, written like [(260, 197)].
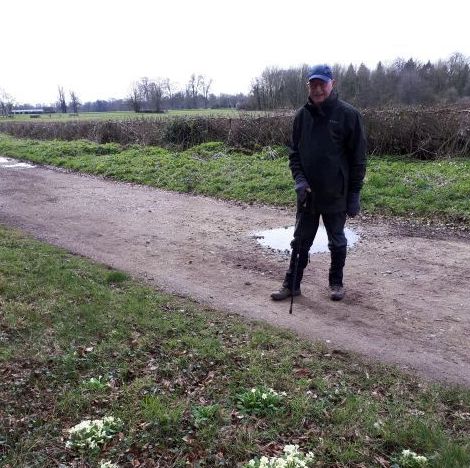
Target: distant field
[(126, 115)]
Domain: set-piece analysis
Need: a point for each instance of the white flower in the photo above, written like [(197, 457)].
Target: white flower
[(419, 459), (378, 424), (91, 434), (264, 396), (264, 462), (291, 458), (81, 426), (290, 449), (107, 464)]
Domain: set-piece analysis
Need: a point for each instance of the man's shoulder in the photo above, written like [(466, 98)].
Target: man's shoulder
[(299, 114), (347, 108), (300, 111)]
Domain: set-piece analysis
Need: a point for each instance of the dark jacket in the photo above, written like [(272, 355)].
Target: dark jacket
[(328, 150)]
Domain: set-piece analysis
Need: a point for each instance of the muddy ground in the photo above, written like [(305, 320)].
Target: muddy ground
[(407, 298)]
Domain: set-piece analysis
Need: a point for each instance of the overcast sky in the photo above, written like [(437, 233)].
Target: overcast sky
[(99, 47)]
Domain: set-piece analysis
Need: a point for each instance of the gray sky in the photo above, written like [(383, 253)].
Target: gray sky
[(99, 47)]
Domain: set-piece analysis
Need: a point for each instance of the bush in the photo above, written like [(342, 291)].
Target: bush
[(425, 133)]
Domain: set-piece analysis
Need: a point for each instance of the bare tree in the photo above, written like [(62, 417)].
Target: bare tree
[(144, 89), (155, 95), (295, 86), (147, 95), (191, 90), (459, 72), (205, 85), (62, 103), (74, 102), (152, 93), (256, 91), (6, 103), (135, 98), (169, 87)]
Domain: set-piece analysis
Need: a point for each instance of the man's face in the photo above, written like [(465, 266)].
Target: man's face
[(319, 90)]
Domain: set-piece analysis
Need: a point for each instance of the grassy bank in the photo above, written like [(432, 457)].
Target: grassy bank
[(435, 190), (79, 341)]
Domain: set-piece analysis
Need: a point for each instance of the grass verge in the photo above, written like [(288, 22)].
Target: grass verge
[(79, 341), (430, 190)]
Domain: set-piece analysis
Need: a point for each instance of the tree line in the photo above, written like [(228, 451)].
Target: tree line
[(157, 95), (407, 82), (146, 95)]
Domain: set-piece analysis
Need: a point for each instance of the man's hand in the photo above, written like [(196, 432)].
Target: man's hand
[(302, 188), (353, 204)]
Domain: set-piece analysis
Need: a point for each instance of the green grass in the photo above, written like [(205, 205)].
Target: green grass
[(79, 341), (419, 188), (123, 115), (436, 190)]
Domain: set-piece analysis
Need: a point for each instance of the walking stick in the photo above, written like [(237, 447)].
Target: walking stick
[(297, 255)]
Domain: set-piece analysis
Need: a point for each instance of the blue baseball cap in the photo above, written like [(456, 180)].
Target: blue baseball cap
[(320, 72)]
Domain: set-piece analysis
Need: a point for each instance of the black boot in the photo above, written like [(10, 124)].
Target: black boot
[(287, 286), (338, 259), (336, 292), (284, 293)]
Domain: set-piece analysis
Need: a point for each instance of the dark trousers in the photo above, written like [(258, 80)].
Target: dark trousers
[(306, 227)]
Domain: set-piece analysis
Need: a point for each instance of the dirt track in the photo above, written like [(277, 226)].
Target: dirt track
[(407, 296)]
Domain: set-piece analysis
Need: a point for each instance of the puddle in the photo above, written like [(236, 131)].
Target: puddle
[(7, 162), (280, 239)]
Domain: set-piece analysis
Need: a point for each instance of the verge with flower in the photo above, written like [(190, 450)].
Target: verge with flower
[(90, 435), (410, 459), (292, 457)]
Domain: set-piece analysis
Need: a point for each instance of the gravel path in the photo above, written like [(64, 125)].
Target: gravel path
[(407, 296)]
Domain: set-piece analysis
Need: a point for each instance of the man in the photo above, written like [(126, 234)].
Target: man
[(328, 162)]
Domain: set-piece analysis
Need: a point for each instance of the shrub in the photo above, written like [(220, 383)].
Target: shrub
[(426, 133), (260, 401)]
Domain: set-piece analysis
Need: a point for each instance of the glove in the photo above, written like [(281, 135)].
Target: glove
[(302, 188), (353, 205)]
